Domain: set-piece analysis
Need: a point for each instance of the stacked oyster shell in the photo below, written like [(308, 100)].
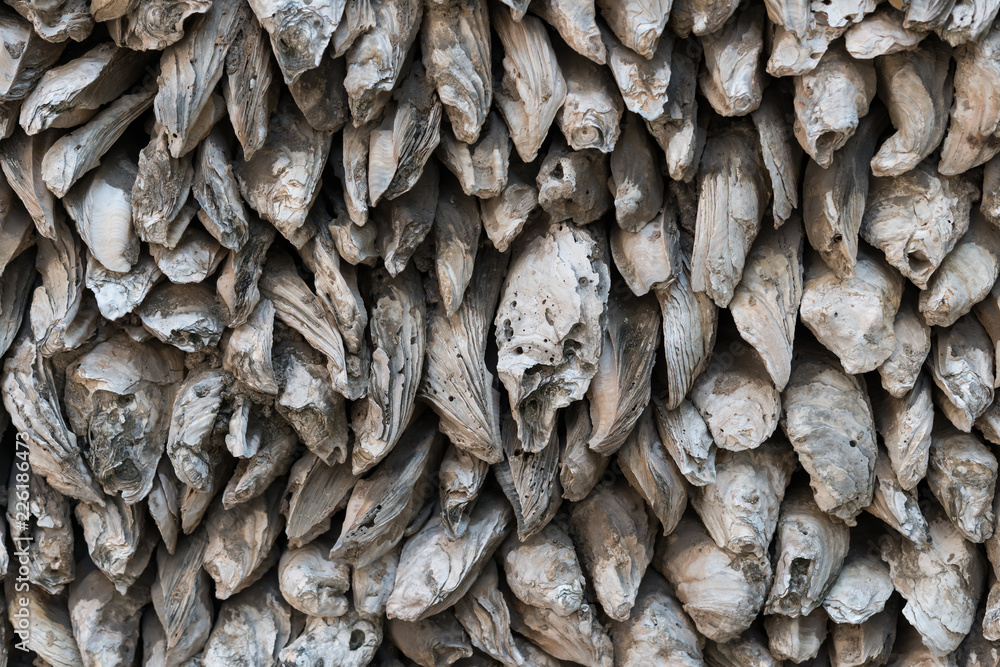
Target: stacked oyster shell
[(599, 332)]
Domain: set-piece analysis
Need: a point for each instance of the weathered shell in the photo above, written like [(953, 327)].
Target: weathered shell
[(828, 419), (544, 315), (124, 414)]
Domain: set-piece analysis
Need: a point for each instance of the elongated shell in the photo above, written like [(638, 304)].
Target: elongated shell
[(101, 206), (543, 316), (828, 420), (398, 336), (533, 88), (766, 302), (455, 379), (456, 52)]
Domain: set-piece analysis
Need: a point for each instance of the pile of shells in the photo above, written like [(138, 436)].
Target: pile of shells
[(433, 332)]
